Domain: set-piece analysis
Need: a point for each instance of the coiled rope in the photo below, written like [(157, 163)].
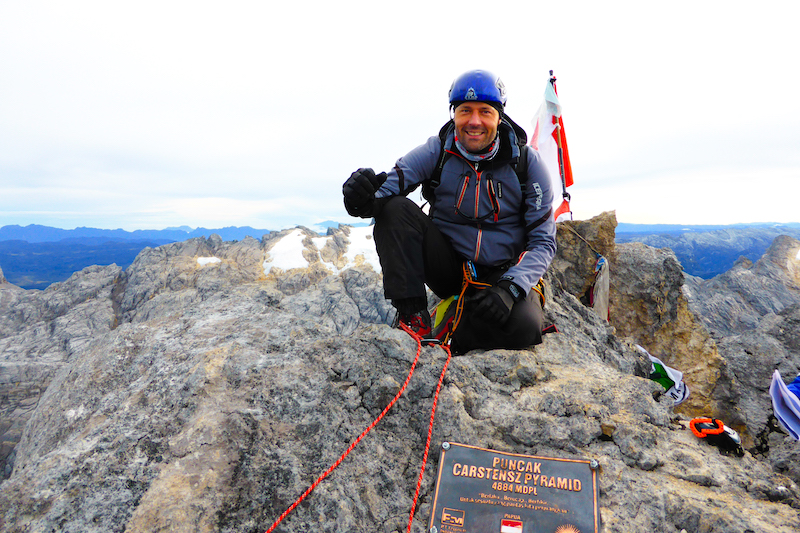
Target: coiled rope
[(373, 424)]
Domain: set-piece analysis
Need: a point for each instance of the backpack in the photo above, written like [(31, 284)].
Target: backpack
[(520, 166)]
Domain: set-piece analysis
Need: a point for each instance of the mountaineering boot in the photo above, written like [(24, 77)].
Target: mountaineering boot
[(419, 322)]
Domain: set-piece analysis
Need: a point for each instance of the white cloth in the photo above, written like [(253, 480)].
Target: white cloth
[(786, 405)]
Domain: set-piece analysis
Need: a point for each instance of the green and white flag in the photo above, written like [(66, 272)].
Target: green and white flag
[(667, 377)]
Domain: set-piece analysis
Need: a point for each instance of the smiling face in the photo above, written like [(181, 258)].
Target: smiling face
[(476, 125)]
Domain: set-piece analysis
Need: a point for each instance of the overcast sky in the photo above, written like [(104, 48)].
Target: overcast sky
[(145, 115)]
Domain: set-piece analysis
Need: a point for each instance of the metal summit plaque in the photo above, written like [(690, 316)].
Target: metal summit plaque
[(486, 491)]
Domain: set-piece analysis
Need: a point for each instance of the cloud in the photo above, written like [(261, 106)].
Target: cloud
[(695, 197), (125, 110)]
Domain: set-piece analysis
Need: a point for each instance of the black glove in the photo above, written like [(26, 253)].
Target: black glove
[(494, 304), (359, 189)]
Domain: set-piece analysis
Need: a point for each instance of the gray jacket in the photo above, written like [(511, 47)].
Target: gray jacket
[(480, 206)]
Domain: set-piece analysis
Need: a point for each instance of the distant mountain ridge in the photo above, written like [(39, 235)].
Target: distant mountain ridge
[(34, 233), (624, 227), (40, 264), (35, 256), (709, 253)]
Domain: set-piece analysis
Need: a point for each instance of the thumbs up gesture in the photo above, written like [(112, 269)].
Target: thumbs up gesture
[(359, 189)]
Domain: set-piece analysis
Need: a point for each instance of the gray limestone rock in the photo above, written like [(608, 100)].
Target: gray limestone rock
[(40, 332), (736, 301), (198, 391)]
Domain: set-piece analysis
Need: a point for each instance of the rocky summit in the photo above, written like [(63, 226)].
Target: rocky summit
[(206, 387)]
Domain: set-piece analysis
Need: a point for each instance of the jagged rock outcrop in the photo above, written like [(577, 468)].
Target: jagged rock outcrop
[(39, 332), (753, 313), (207, 386), (736, 301), (648, 307)]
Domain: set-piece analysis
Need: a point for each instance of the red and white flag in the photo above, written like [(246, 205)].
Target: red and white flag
[(551, 142), (510, 526)]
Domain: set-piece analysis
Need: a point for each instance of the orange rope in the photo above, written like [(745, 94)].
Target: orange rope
[(430, 433), (459, 309), (467, 281), (363, 434)]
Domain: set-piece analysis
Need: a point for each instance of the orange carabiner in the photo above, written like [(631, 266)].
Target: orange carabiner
[(703, 432)]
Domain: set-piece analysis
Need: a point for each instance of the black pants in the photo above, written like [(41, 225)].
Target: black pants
[(414, 253)]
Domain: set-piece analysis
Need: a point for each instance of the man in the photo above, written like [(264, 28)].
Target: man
[(482, 215)]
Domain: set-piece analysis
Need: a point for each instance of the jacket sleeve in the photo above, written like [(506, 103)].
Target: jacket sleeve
[(408, 173), (540, 229), (411, 170)]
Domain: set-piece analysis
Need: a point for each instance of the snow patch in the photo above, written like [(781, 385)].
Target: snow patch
[(203, 261), (362, 244), (287, 253), (320, 242)]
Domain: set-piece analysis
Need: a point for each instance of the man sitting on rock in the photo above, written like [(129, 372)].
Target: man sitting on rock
[(490, 219)]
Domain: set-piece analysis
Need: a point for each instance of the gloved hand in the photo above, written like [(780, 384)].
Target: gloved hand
[(494, 304), (359, 189)]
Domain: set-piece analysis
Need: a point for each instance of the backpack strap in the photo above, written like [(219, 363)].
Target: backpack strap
[(521, 166)]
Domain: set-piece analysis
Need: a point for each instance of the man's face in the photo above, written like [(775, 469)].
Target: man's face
[(476, 125)]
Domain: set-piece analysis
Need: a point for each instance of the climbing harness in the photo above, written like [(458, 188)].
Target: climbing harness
[(539, 289), (445, 317), (469, 278), (308, 491)]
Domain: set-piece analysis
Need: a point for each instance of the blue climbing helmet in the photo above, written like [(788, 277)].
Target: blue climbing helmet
[(478, 86)]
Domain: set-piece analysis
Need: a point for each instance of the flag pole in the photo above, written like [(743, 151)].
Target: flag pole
[(564, 193)]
